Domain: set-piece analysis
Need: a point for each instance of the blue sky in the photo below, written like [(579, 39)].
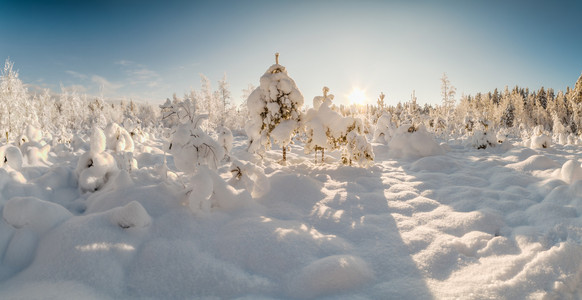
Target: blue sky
[(147, 50)]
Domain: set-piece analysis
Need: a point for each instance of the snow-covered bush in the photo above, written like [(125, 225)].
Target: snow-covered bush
[(358, 149), (482, 139), (384, 128), (225, 139), (413, 142), (539, 139), (10, 156), (249, 176), (191, 147), (274, 111), (118, 139), (316, 126), (95, 167)]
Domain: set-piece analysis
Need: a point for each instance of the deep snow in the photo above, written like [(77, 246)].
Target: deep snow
[(498, 223)]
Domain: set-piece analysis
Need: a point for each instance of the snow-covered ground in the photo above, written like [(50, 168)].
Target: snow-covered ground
[(498, 223)]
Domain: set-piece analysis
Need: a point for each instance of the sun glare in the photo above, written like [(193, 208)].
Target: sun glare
[(357, 97)]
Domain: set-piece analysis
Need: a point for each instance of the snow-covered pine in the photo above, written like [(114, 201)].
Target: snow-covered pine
[(274, 111)]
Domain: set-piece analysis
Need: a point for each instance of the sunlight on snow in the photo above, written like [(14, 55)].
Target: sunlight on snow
[(105, 247), (316, 235)]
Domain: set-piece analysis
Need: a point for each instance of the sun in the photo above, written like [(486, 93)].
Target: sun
[(357, 97)]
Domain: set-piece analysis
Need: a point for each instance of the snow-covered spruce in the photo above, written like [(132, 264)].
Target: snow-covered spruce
[(316, 126), (95, 167), (274, 111), (328, 130)]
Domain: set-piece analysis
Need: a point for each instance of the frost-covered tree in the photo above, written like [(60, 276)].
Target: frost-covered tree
[(274, 110), (224, 94), (448, 93), (13, 100)]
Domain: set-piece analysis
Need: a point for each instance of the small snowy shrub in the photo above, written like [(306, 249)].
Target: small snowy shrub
[(249, 176), (358, 150), (413, 142), (11, 157), (132, 215), (540, 138), (483, 139), (316, 125), (191, 147), (384, 128), (95, 167), (225, 139), (118, 139)]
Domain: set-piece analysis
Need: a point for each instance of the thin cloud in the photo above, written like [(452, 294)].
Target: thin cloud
[(139, 74), (77, 74), (105, 85)]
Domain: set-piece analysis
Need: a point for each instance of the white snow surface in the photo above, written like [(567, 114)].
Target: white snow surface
[(497, 223)]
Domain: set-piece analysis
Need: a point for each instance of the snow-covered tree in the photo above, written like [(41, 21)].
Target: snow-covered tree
[(448, 93), (13, 100), (316, 128), (274, 110), (224, 95)]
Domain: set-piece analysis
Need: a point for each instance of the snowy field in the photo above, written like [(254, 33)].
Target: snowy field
[(498, 223)]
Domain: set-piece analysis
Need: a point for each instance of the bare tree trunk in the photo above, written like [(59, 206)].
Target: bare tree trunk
[(322, 153)]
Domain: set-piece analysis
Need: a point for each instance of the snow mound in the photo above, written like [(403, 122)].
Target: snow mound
[(98, 141), (35, 154), (37, 215), (534, 162), (571, 171), (10, 156), (331, 275), (133, 215), (439, 164), (413, 142), (34, 134)]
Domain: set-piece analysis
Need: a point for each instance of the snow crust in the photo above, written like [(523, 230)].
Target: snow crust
[(418, 223)]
